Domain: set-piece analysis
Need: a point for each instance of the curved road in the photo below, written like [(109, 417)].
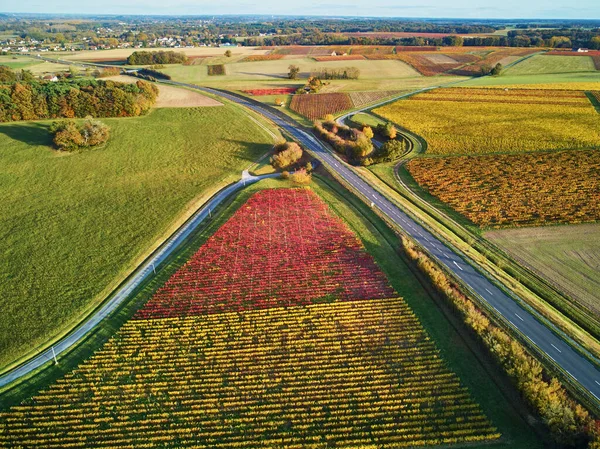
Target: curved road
[(582, 372), (143, 272)]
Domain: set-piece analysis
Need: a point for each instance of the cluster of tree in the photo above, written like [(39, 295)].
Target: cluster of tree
[(9, 76), (569, 423), (253, 31), (342, 73), (106, 72), (352, 143), (68, 136), (78, 98), (286, 155), (151, 75), (387, 130), (156, 57)]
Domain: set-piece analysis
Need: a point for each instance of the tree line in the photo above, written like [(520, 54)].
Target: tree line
[(569, 423), (36, 100), (342, 73), (156, 57)]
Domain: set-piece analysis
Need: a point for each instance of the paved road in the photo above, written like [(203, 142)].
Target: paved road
[(139, 276), (580, 369)]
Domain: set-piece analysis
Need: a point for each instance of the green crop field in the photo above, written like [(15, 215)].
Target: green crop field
[(73, 224), (543, 64), (17, 63), (568, 256)]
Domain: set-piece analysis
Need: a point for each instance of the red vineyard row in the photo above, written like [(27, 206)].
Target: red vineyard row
[(282, 248)]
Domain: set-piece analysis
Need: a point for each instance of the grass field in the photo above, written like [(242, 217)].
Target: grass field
[(278, 70), (567, 256), (476, 121), (172, 97), (73, 225), (17, 63), (123, 53), (382, 243), (548, 64)]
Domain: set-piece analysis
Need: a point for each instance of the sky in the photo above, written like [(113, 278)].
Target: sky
[(509, 9)]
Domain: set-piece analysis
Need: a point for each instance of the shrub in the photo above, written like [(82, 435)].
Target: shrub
[(215, 70), (69, 137), (390, 151), (286, 155), (300, 176), (387, 130), (108, 71)]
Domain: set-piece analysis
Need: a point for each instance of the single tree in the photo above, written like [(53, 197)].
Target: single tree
[(496, 70), (228, 53), (294, 70), (368, 131)]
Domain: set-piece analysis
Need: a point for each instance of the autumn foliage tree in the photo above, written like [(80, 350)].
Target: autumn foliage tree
[(68, 136), (70, 99), (286, 155)]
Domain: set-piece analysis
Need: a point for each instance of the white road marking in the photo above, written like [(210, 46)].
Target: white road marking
[(454, 262), (489, 292), (571, 375), (549, 356), (531, 340), (595, 396), (555, 347), (519, 317)]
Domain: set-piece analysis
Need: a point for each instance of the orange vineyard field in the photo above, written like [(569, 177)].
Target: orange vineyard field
[(516, 190), (315, 373)]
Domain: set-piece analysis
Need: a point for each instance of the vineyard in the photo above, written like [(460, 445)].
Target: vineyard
[(474, 121), (325, 375), (339, 58), (364, 98), (256, 58), (274, 91), (273, 252), (254, 374), (516, 190), (317, 106)]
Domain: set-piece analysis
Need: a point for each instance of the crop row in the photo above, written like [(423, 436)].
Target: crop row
[(323, 375), (364, 98), (256, 58), (339, 58), (283, 247), (491, 59), (317, 106), (462, 126), (516, 190), (273, 91)]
